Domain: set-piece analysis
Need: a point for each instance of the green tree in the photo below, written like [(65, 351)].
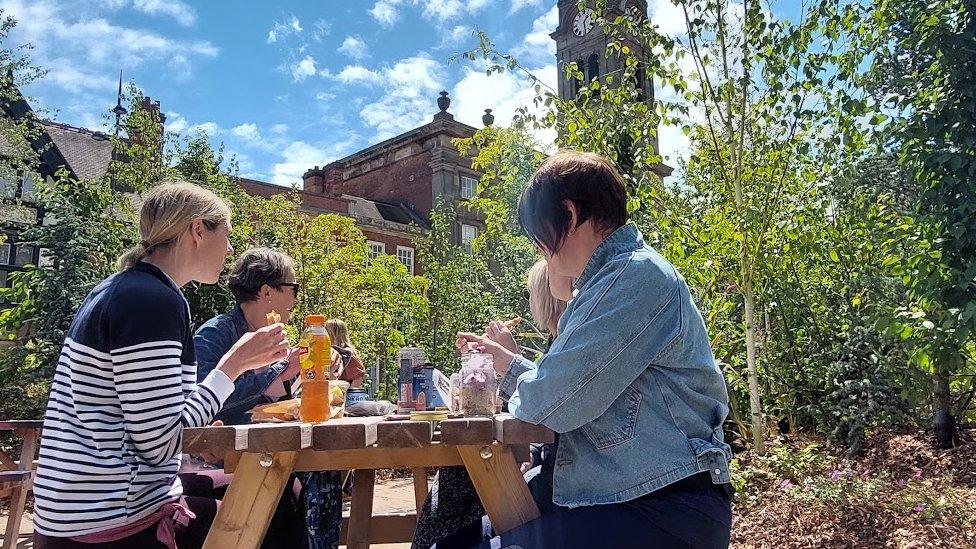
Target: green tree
[(915, 58), (458, 299)]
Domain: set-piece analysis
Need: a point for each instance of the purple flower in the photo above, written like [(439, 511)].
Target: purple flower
[(919, 507), (785, 484), (834, 475), (901, 483), (918, 474), (866, 473)]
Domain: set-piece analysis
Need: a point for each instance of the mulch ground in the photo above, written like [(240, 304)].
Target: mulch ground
[(947, 477)]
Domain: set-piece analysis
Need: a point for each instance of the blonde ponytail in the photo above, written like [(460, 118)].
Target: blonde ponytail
[(167, 211)]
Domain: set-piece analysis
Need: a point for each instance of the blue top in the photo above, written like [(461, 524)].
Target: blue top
[(212, 341), (630, 382)]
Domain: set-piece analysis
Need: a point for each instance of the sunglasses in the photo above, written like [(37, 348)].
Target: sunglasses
[(293, 285)]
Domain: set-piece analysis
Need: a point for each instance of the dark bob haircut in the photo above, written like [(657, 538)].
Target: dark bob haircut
[(255, 268), (587, 180)]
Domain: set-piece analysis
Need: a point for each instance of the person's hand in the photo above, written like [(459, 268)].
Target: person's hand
[(294, 366), (255, 350), (465, 346), (499, 333), (501, 356)]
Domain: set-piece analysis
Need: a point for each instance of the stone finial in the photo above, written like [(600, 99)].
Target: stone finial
[(443, 102), (487, 119)]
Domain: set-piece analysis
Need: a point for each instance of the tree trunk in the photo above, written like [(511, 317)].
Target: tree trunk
[(944, 423), (755, 405)]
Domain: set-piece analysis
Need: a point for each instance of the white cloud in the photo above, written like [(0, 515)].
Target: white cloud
[(503, 93), (284, 29), (477, 5), (82, 49), (669, 18), (175, 122), (299, 156), (71, 76), (182, 13), (321, 29), (279, 129), (247, 131), (324, 96), (521, 4), (209, 128), (538, 46), (456, 35), (411, 88), (357, 74), (354, 47), (385, 12), (303, 69), (442, 10)]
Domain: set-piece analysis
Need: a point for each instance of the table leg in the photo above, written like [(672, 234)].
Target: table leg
[(361, 510), (250, 501), (500, 485), (18, 497), (420, 487)]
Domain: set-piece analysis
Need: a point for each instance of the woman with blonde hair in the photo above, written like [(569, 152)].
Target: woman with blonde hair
[(125, 387), (351, 367)]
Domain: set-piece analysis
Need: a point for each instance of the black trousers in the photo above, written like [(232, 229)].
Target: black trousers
[(688, 514)]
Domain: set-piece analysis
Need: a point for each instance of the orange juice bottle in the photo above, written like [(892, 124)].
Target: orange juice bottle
[(315, 353)]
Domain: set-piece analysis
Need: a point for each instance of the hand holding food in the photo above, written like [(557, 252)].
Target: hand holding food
[(501, 333), (255, 350)]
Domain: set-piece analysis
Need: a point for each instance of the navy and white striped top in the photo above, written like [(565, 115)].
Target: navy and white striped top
[(124, 388)]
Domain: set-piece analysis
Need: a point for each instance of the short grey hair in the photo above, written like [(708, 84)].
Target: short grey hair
[(255, 268)]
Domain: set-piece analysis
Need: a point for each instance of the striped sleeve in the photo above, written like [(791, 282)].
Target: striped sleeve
[(155, 405)]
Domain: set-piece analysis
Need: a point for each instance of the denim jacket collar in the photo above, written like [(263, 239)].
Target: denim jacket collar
[(240, 323), (625, 239)]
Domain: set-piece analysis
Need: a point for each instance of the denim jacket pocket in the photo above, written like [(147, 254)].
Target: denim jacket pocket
[(618, 424)]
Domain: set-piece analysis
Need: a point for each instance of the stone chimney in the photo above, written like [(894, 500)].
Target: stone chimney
[(314, 180), (152, 108)]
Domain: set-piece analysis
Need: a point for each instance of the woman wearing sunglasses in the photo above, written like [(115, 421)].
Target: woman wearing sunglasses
[(262, 280)]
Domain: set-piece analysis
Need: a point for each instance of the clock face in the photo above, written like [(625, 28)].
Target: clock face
[(583, 22)]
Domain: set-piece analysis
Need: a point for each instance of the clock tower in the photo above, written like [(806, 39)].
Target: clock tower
[(579, 39)]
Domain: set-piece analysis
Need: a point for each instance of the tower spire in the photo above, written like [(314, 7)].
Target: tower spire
[(119, 110)]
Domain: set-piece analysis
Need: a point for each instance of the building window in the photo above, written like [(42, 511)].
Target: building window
[(27, 189), (469, 186), (593, 67), (5, 253), (405, 256), (375, 250), (468, 234), (24, 255)]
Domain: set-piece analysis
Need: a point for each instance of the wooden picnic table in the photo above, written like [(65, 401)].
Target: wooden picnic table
[(16, 477), (263, 456)]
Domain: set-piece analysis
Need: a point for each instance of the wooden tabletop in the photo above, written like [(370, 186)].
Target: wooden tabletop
[(356, 433), (14, 424)]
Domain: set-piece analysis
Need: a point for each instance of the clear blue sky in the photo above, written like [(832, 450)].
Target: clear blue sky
[(286, 85)]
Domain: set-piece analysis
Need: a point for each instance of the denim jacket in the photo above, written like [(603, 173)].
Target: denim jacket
[(211, 342), (630, 383)]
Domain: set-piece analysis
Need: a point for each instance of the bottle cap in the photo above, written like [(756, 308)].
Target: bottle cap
[(315, 320)]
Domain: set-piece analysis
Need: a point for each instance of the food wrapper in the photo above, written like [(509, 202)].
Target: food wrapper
[(288, 410)]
